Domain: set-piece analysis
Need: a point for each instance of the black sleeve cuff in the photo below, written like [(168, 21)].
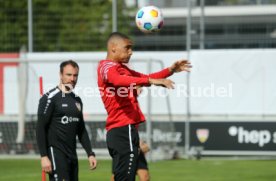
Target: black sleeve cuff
[(92, 154)]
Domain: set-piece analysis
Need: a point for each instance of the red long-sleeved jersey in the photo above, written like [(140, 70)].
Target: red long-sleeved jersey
[(117, 83)]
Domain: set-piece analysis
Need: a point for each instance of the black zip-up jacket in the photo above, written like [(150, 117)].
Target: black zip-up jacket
[(60, 120)]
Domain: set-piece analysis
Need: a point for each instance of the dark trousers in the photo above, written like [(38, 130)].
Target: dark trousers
[(63, 168), (123, 145)]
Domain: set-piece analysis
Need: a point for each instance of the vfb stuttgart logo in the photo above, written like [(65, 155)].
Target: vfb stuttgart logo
[(202, 135)]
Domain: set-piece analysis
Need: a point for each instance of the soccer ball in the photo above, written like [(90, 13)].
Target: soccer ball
[(149, 19)]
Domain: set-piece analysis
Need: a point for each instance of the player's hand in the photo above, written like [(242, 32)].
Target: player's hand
[(46, 164), (179, 66), (162, 82), (92, 162), (144, 147)]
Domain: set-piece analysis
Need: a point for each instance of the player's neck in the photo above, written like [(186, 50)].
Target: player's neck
[(112, 58)]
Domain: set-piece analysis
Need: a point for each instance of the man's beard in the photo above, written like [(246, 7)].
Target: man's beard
[(69, 86)]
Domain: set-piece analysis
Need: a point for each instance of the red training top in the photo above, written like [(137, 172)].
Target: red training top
[(116, 83)]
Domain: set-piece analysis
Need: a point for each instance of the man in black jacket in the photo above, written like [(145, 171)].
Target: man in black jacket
[(60, 120)]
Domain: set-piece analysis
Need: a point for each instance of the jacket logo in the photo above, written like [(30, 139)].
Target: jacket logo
[(78, 105), (202, 135), (67, 120)]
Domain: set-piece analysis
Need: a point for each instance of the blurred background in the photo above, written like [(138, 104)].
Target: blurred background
[(225, 106), (82, 25)]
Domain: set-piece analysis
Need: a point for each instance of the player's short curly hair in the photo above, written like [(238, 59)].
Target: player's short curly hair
[(68, 62)]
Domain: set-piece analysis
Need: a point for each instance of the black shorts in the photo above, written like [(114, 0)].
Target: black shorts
[(123, 145), (63, 167), (142, 163)]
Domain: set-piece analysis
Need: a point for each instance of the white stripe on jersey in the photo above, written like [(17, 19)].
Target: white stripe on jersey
[(104, 69), (52, 94)]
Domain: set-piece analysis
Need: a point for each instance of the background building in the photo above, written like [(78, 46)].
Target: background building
[(227, 24)]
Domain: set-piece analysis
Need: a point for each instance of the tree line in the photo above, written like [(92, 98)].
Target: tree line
[(60, 25)]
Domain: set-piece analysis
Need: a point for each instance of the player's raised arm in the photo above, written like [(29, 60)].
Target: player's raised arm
[(180, 66), (114, 77), (162, 82)]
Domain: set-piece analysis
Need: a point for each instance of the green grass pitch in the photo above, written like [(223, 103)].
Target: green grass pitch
[(174, 170)]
